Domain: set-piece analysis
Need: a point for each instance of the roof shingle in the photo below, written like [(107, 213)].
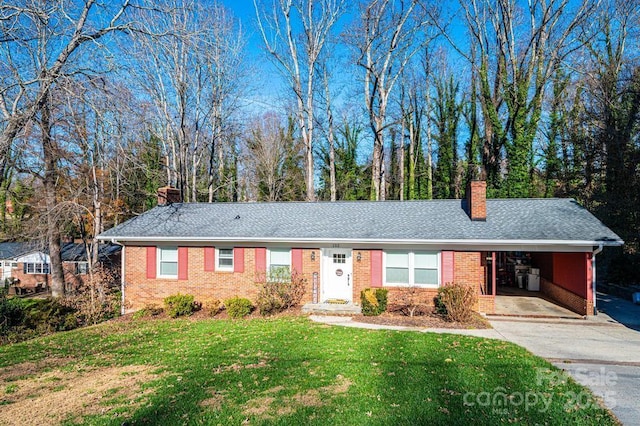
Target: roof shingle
[(433, 220)]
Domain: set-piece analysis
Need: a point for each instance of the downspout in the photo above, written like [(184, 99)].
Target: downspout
[(593, 276), (122, 262)]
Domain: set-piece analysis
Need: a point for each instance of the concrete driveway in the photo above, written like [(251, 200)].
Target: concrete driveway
[(602, 352)]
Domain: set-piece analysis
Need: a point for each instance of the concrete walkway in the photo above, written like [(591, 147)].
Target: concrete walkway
[(602, 352)]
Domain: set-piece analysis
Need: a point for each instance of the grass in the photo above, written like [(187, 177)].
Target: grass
[(290, 371)]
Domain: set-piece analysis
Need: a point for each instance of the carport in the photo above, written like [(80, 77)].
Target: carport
[(561, 275)]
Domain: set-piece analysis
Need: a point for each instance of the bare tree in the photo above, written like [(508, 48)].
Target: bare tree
[(193, 74), (30, 68), (515, 51), (31, 71), (388, 35), (295, 34), (272, 158)]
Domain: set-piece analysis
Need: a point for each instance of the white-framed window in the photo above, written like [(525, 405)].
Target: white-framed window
[(279, 262), (82, 268), (168, 262), (412, 268), (14, 264), (34, 268), (224, 259)]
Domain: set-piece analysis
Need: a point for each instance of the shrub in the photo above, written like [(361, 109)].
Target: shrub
[(179, 305), (148, 311), (11, 313), (22, 319), (212, 306), (411, 301), (373, 301), (238, 307), (278, 293), (97, 298), (455, 301), (48, 315)]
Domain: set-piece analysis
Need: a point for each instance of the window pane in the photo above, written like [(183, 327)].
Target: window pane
[(169, 254), (426, 260), (38, 268), (225, 262), (279, 273), (280, 257), (426, 276), (169, 268), (228, 253), (397, 259), (398, 275)]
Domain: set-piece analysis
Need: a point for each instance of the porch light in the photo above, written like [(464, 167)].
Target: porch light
[(313, 256), (359, 257)]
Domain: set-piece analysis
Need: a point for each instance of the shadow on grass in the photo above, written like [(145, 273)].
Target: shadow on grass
[(293, 371)]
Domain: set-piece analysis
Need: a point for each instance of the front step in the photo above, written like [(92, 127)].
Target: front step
[(331, 309)]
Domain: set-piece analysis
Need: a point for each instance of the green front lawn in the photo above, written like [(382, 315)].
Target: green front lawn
[(281, 371)]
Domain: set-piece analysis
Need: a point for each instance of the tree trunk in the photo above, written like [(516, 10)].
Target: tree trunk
[(50, 153)]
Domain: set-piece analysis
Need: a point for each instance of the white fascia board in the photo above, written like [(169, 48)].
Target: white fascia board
[(480, 245)]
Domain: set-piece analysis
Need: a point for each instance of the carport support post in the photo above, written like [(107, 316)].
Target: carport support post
[(493, 273), (593, 277)]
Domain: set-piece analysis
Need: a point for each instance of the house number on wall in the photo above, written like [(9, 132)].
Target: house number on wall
[(335, 245), (339, 272)]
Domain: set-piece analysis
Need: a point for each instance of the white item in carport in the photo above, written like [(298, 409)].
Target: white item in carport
[(533, 282), (535, 271), (520, 278)]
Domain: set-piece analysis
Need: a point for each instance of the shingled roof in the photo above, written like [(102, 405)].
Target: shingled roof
[(508, 220)]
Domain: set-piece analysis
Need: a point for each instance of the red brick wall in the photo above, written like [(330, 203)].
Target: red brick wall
[(487, 304), (361, 273), (468, 269), (566, 298), (30, 280), (140, 290), (477, 200)]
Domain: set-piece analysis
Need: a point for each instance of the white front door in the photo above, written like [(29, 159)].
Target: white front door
[(337, 274)]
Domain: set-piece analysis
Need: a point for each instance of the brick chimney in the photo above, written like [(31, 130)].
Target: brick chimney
[(477, 200), (168, 195)]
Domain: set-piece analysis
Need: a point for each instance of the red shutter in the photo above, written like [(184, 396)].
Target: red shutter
[(151, 262), (376, 268), (448, 266), (261, 259), (238, 259), (209, 259), (296, 260), (183, 263)]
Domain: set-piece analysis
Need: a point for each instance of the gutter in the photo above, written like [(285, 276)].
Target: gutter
[(593, 276), (466, 242), (122, 271)]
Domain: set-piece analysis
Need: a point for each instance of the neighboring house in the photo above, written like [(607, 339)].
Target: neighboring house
[(29, 264), (220, 250)]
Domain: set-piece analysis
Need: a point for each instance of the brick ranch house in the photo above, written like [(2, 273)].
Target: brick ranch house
[(28, 265), (217, 250)]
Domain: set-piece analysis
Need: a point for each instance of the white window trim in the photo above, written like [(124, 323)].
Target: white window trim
[(42, 268), (217, 260), (159, 260), (411, 269), (278, 248), (77, 268)]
